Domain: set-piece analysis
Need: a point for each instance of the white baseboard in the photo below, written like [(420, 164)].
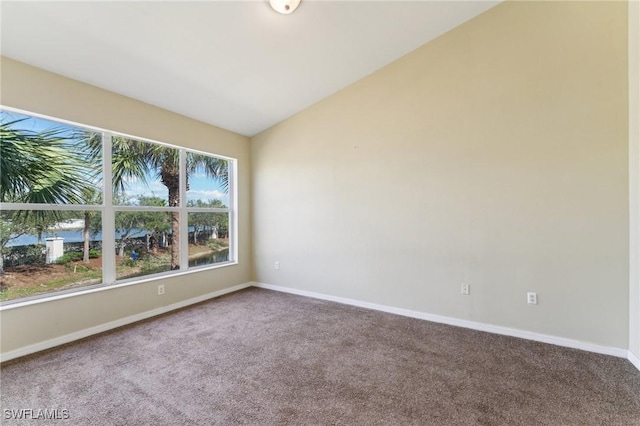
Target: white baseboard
[(554, 340), (47, 344), (634, 360), (560, 341)]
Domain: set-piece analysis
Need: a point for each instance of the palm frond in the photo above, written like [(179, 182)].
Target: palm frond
[(213, 167), (130, 161), (36, 167)]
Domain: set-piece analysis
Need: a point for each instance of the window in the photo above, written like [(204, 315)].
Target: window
[(81, 207)]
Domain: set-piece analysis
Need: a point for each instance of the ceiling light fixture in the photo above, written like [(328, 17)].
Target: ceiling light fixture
[(284, 6)]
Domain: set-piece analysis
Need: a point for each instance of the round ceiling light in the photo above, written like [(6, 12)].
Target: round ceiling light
[(284, 6)]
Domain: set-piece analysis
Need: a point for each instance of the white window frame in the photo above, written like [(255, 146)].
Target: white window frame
[(108, 211)]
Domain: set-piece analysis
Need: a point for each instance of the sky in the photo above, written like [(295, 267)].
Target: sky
[(200, 188)]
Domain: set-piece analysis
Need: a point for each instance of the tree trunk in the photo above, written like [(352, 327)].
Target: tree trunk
[(175, 240), (121, 253), (153, 241), (171, 179), (170, 175), (87, 224)]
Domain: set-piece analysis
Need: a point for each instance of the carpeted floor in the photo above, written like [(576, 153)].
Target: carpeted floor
[(261, 357)]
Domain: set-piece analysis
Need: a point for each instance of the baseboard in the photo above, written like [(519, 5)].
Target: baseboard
[(544, 338), (634, 360), (47, 344), (554, 340)]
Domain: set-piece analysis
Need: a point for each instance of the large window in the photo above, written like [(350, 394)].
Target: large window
[(81, 207)]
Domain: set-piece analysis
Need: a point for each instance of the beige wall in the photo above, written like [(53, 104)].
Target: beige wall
[(634, 177), (496, 155), (39, 91)]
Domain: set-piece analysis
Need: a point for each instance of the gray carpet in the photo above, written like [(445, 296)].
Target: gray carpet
[(261, 357)]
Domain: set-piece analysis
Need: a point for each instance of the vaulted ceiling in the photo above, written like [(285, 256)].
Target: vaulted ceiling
[(234, 64)]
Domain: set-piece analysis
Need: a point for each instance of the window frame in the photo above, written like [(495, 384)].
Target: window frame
[(108, 211)]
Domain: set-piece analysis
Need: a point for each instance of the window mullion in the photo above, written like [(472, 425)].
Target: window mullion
[(184, 217), (108, 215), (233, 215), (49, 207)]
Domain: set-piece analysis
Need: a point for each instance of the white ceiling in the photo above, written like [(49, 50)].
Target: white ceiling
[(235, 64)]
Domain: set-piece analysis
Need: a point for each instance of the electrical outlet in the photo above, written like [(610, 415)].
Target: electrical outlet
[(532, 298), (276, 265), (465, 289), (160, 289)]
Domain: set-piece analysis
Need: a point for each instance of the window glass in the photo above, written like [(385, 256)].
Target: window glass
[(47, 162), (46, 251), (144, 243), (143, 171), (208, 238), (207, 180)]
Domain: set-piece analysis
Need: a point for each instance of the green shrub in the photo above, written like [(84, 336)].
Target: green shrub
[(23, 255), (128, 262), (74, 256), (218, 244), (71, 256)]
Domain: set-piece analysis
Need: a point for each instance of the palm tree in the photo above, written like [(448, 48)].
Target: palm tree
[(90, 195), (137, 160), (166, 162), (37, 168)]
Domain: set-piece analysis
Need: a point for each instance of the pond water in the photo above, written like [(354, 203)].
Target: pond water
[(215, 257)]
